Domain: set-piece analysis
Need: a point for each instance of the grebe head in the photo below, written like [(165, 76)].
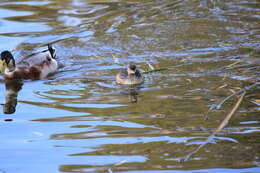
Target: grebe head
[(131, 69)]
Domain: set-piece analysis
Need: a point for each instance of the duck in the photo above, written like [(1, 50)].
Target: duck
[(129, 76), (33, 67)]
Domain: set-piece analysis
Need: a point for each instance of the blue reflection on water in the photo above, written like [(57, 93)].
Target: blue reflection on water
[(15, 27), (10, 13), (94, 105)]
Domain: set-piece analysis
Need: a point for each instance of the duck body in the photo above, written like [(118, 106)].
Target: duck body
[(129, 76), (33, 67), (34, 72)]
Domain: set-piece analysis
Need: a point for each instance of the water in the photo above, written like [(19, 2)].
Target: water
[(79, 120)]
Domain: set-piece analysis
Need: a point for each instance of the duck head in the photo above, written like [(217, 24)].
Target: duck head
[(52, 51), (7, 62), (131, 69)]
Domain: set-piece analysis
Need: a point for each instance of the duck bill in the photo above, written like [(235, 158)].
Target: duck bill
[(2, 66), (130, 72)]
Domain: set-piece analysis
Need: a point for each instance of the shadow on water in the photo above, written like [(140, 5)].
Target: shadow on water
[(79, 120)]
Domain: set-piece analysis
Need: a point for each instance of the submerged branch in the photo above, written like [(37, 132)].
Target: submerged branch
[(219, 69), (219, 105), (243, 66), (220, 127)]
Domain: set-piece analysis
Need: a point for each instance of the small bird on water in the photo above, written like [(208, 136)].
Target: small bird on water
[(129, 76)]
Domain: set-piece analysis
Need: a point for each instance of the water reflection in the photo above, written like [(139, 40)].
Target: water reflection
[(131, 91), (12, 88)]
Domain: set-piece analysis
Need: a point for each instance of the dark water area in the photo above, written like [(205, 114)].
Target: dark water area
[(80, 120)]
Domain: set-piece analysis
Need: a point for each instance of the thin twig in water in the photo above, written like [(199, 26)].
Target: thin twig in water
[(219, 105), (220, 127), (156, 70), (222, 68), (117, 164), (151, 67), (110, 170), (164, 68), (243, 66), (231, 65)]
